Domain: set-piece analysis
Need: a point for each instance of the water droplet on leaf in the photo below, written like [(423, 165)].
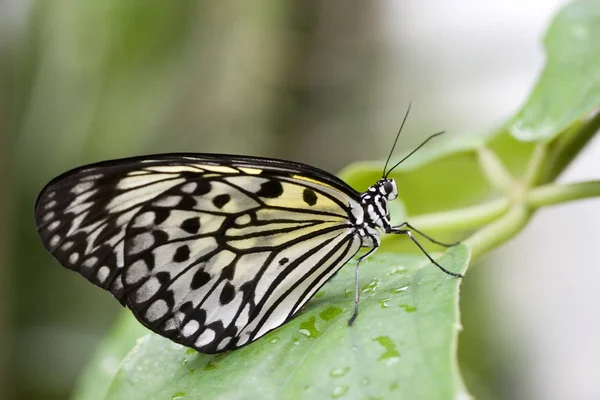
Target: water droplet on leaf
[(336, 373), (398, 289), (407, 308), (330, 313), (391, 355), (339, 391), (177, 396), (309, 329), (384, 302)]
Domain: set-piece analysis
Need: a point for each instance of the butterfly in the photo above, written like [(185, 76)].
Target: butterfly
[(210, 250)]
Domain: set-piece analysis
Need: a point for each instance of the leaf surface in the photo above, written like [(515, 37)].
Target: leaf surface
[(402, 345)]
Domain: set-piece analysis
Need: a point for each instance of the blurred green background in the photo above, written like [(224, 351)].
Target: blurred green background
[(322, 82)]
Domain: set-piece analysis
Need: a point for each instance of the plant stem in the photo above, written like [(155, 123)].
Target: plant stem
[(495, 171), (499, 231), (548, 195), (569, 145), (535, 169), (461, 219)]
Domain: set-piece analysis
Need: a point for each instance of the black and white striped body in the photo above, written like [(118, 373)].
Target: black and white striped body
[(375, 216)]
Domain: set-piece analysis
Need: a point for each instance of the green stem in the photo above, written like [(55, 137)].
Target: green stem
[(535, 167), (548, 195), (569, 145), (495, 171), (462, 219), (499, 231)]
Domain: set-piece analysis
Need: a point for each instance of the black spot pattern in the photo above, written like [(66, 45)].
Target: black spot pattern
[(227, 294), (182, 254), (191, 225), (270, 190), (160, 238), (187, 203), (200, 279), (220, 200), (228, 271), (164, 278), (283, 261), (309, 196), (203, 188), (187, 307), (148, 259), (160, 215)]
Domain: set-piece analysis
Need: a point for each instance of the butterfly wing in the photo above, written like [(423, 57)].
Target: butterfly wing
[(211, 251)]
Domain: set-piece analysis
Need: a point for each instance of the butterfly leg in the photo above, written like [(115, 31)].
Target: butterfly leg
[(411, 236), (412, 228), (356, 282)]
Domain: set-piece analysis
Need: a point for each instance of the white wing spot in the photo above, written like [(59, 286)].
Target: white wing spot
[(144, 220), (250, 171), (81, 201), (157, 310), (243, 219), (48, 216), (141, 242), (51, 195), (82, 187), (205, 338), (54, 241), (136, 272), (175, 321), (147, 290), (170, 324), (91, 177), (103, 273), (244, 337), (117, 284), (189, 187), (190, 328), (73, 258), (224, 343), (54, 225), (67, 246), (50, 204), (168, 201), (90, 262)]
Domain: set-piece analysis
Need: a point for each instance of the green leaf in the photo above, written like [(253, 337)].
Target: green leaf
[(94, 382), (569, 87), (402, 345)]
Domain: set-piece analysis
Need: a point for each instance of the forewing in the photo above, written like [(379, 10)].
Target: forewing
[(211, 251)]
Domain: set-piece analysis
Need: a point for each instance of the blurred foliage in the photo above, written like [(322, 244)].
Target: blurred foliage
[(86, 81)]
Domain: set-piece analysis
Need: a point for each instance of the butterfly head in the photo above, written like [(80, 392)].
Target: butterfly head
[(387, 188)]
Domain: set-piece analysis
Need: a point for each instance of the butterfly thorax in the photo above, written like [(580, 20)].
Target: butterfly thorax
[(376, 217)]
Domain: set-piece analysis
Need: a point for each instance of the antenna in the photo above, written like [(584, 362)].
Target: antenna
[(414, 151), (384, 175)]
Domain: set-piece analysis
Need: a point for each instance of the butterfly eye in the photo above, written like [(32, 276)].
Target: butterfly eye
[(388, 187)]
